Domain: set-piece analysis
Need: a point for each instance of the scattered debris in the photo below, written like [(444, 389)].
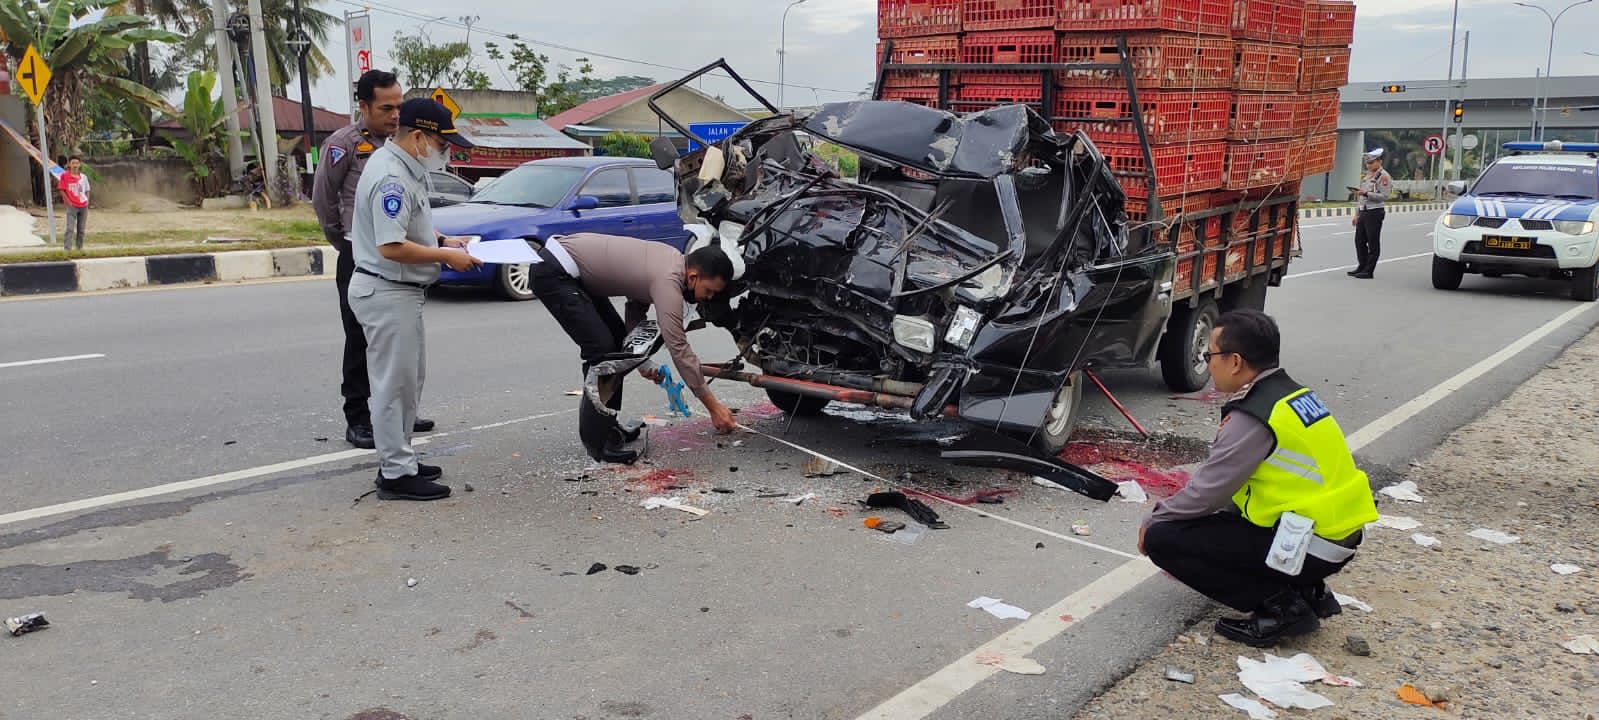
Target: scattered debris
[(520, 611), (574, 393), (410, 582), (1131, 491), (984, 448), (626, 569), (1278, 680), (1038, 546), (320, 439), (800, 500), (596, 568), (1410, 695), (1405, 491), (1357, 645), (1256, 710), (918, 510), (1181, 676), (999, 609), (909, 535), (738, 443), (1494, 536), (885, 526), (1081, 529), (834, 510), (674, 503), (1396, 522), (769, 496), (986, 497), (1565, 607), (468, 487), (1424, 540), (722, 490), (1350, 601), (1579, 644), (26, 624), (732, 468), (1565, 569), (820, 467), (1017, 665)]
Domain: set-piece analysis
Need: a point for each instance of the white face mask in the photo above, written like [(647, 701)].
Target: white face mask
[(432, 159)]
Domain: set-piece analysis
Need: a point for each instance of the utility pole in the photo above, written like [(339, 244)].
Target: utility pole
[(1438, 191), (1460, 129), (230, 102), (263, 98), (302, 41)]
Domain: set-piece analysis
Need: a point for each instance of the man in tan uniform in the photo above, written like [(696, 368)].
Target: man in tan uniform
[(1371, 199)]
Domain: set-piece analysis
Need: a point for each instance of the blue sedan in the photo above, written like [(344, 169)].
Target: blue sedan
[(561, 196)]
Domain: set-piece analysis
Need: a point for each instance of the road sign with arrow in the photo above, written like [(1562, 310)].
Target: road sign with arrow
[(443, 98), (33, 75)]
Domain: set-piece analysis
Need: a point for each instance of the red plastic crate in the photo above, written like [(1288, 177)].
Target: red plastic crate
[(1169, 115), (1009, 14), (1265, 225), (1159, 60), (1262, 164), (1319, 155), (1280, 21), (1185, 272), (976, 98), (1176, 207), (1269, 116), (1208, 17), (917, 95), (919, 51), (1179, 168), (917, 18), (1027, 46), (1329, 22), (1323, 112), (1267, 67), (1324, 69)]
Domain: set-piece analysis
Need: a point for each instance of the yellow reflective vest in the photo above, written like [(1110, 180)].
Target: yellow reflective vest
[(1310, 470)]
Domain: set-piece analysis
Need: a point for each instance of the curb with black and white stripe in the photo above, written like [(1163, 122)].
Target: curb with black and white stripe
[(1309, 213), (131, 272)]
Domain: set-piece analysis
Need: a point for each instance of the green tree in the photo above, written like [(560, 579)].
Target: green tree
[(620, 144), (530, 72), (84, 55), (204, 120), (424, 63)]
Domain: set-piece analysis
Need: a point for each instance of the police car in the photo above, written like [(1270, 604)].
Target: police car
[(1533, 213)]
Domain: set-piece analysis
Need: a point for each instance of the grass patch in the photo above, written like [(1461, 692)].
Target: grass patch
[(148, 250), (147, 237), (295, 229)]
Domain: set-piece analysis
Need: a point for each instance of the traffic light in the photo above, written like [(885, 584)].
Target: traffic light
[(1459, 112), (1393, 88)]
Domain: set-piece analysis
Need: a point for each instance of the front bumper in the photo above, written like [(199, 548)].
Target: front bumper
[(1550, 252)]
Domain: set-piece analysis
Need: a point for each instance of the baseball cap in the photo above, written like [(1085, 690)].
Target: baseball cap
[(426, 114)]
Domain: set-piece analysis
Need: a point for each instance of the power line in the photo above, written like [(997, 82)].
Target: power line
[(402, 12)]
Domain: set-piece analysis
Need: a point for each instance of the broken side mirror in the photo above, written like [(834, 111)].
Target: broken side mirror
[(1456, 188), (664, 152)]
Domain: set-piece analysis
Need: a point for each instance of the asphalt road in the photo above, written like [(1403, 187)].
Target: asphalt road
[(264, 591)]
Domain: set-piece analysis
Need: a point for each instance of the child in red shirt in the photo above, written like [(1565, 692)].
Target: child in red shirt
[(75, 187)]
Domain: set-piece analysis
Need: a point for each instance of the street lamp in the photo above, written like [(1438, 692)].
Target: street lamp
[(1537, 121), (782, 50)]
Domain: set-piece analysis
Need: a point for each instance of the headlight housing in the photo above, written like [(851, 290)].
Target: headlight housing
[(1574, 227), (1455, 222), (915, 333)]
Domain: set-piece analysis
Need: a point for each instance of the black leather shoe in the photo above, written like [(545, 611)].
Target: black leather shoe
[(1353, 273), (360, 436), (410, 487), (1366, 275), (1281, 616), (422, 425), (1321, 600), (431, 473)]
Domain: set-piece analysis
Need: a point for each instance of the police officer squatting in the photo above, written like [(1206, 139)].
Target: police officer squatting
[(1276, 508), (397, 256)]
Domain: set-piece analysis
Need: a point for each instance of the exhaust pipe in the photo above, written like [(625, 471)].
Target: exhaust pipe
[(819, 390)]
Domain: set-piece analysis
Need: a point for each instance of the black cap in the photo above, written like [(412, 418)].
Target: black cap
[(426, 114)]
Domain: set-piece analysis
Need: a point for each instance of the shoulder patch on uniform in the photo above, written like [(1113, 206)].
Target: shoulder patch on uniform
[(335, 154), (1309, 408), (393, 198), (364, 147)]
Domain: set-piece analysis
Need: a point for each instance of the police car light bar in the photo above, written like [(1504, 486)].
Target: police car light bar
[(1552, 146)]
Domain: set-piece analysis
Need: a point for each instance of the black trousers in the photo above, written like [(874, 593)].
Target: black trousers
[(1368, 238), (354, 385), (1223, 557), (591, 322)]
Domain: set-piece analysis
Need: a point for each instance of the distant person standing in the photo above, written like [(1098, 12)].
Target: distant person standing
[(75, 188), (1371, 199)]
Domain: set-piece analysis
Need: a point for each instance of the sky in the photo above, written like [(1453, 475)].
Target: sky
[(831, 43)]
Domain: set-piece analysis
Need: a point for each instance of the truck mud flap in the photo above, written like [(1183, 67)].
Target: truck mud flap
[(983, 448)]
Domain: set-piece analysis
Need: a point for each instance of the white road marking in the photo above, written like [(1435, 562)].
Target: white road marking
[(1346, 232), (47, 361), (1303, 226), (927, 696), (1398, 416), (939, 689), (233, 476), (1351, 267)]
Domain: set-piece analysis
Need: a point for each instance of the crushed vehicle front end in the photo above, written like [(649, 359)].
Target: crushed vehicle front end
[(979, 263)]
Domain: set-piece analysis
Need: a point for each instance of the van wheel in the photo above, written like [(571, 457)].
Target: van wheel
[(1061, 420), (1585, 284), (1446, 274), (1182, 350)]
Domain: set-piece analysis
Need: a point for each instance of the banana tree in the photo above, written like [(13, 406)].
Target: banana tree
[(82, 56), (203, 118)]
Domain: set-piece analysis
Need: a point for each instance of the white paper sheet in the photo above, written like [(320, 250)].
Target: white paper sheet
[(1565, 569), (1131, 491), (1581, 645), (1403, 491), (999, 609), (1494, 536), (674, 503), (1397, 522), (1351, 601), (1256, 710), (503, 252), (1424, 540)]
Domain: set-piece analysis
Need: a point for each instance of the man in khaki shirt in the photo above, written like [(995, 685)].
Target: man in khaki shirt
[(580, 273), (1370, 201)]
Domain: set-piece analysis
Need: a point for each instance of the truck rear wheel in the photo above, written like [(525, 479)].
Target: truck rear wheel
[(1446, 274), (797, 405), (1182, 351), (1585, 284)]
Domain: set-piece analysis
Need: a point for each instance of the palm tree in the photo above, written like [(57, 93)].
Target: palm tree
[(193, 18), (83, 57)]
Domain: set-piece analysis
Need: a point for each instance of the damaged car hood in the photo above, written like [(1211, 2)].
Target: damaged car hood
[(981, 145)]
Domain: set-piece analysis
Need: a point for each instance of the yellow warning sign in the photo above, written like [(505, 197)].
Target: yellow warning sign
[(33, 75), (443, 98)]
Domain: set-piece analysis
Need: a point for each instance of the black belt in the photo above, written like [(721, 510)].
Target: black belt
[(365, 271)]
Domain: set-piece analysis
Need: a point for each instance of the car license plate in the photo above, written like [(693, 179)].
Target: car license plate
[(1507, 243)]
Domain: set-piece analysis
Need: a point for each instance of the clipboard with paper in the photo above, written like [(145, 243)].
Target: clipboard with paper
[(502, 252)]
